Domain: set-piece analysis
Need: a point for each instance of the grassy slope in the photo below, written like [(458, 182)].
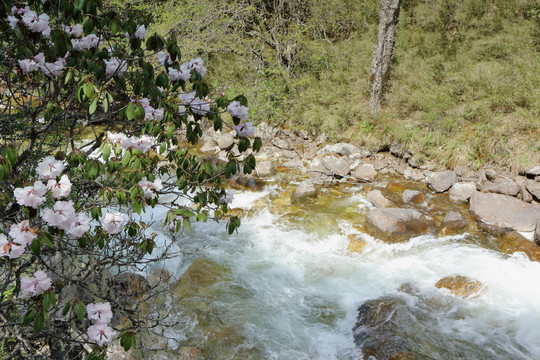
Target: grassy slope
[(464, 86)]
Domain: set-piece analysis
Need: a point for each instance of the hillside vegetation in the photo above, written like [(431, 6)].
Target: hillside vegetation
[(464, 86)]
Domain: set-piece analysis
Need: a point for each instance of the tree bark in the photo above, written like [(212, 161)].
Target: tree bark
[(386, 40)]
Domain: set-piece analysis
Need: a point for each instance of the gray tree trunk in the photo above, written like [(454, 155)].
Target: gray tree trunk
[(386, 40)]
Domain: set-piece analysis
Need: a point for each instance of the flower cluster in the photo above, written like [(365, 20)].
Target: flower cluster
[(150, 188), (100, 332), (227, 198), (34, 22), (245, 129), (114, 66), (184, 73), (149, 112), (36, 285), (85, 43), (38, 62), (143, 143), (198, 106), (113, 223)]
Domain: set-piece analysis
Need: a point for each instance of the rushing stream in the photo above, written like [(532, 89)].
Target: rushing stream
[(287, 287)]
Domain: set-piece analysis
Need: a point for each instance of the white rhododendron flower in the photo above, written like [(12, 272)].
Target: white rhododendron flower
[(28, 65), (163, 57), (116, 138), (227, 198), (55, 68), (74, 30), (19, 11), (197, 65), (35, 23), (13, 21), (143, 143), (181, 109), (140, 33), (246, 129), (199, 106), (32, 196), (50, 168), (99, 313), (60, 188), (101, 334), (62, 215), (36, 285), (113, 223), (85, 43), (115, 66), (22, 233), (80, 225), (183, 74), (187, 98), (238, 111), (9, 248), (149, 187)]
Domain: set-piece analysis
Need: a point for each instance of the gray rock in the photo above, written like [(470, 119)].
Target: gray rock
[(282, 144), (525, 194), (535, 171), (397, 225), (491, 174), (504, 211), (413, 196), (462, 171), (534, 188), (265, 168), (304, 190), (380, 164), (414, 162), (303, 135), (320, 175), (452, 223), (442, 180), (225, 141), (366, 153), (365, 172), (209, 146), (378, 200), (294, 164), (322, 139), (413, 174), (340, 148), (502, 186), (462, 191), (265, 131), (336, 165)]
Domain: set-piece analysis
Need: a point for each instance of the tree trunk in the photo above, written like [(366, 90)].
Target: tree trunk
[(383, 53)]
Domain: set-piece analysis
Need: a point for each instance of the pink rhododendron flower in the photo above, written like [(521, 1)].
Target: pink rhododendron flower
[(32, 196), (28, 65), (85, 43), (197, 65), (227, 198), (237, 110), (99, 313), (143, 143), (101, 334), (140, 33), (13, 21), (60, 188), (22, 233), (199, 106), (37, 285), (113, 223), (62, 215), (74, 30), (19, 11), (246, 129), (163, 57), (115, 66), (149, 187), (50, 168), (10, 248), (80, 225), (37, 23)]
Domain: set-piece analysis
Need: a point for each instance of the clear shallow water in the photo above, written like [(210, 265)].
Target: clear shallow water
[(287, 288)]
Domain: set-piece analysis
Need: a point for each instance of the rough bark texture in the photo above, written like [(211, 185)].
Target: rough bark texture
[(386, 40)]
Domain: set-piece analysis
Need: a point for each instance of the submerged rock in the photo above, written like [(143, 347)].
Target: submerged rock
[(512, 242), (304, 190), (504, 211), (460, 286), (356, 243), (397, 225), (243, 182), (452, 223), (413, 197)]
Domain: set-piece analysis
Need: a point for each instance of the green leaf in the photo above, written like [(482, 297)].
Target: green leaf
[(80, 310), (162, 80), (89, 90), (36, 246), (130, 111), (66, 309), (257, 144), (93, 106), (46, 302), (29, 316), (187, 225), (39, 321), (106, 152), (126, 158)]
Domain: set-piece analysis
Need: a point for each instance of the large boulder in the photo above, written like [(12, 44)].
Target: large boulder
[(462, 191), (304, 190), (512, 242), (504, 211), (397, 225), (336, 165), (265, 168), (225, 141), (441, 181), (378, 200)]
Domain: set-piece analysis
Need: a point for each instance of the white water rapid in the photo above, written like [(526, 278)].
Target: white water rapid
[(291, 290)]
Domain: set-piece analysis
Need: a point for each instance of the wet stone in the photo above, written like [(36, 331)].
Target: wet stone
[(460, 286), (441, 181), (378, 200), (452, 223), (413, 197)]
